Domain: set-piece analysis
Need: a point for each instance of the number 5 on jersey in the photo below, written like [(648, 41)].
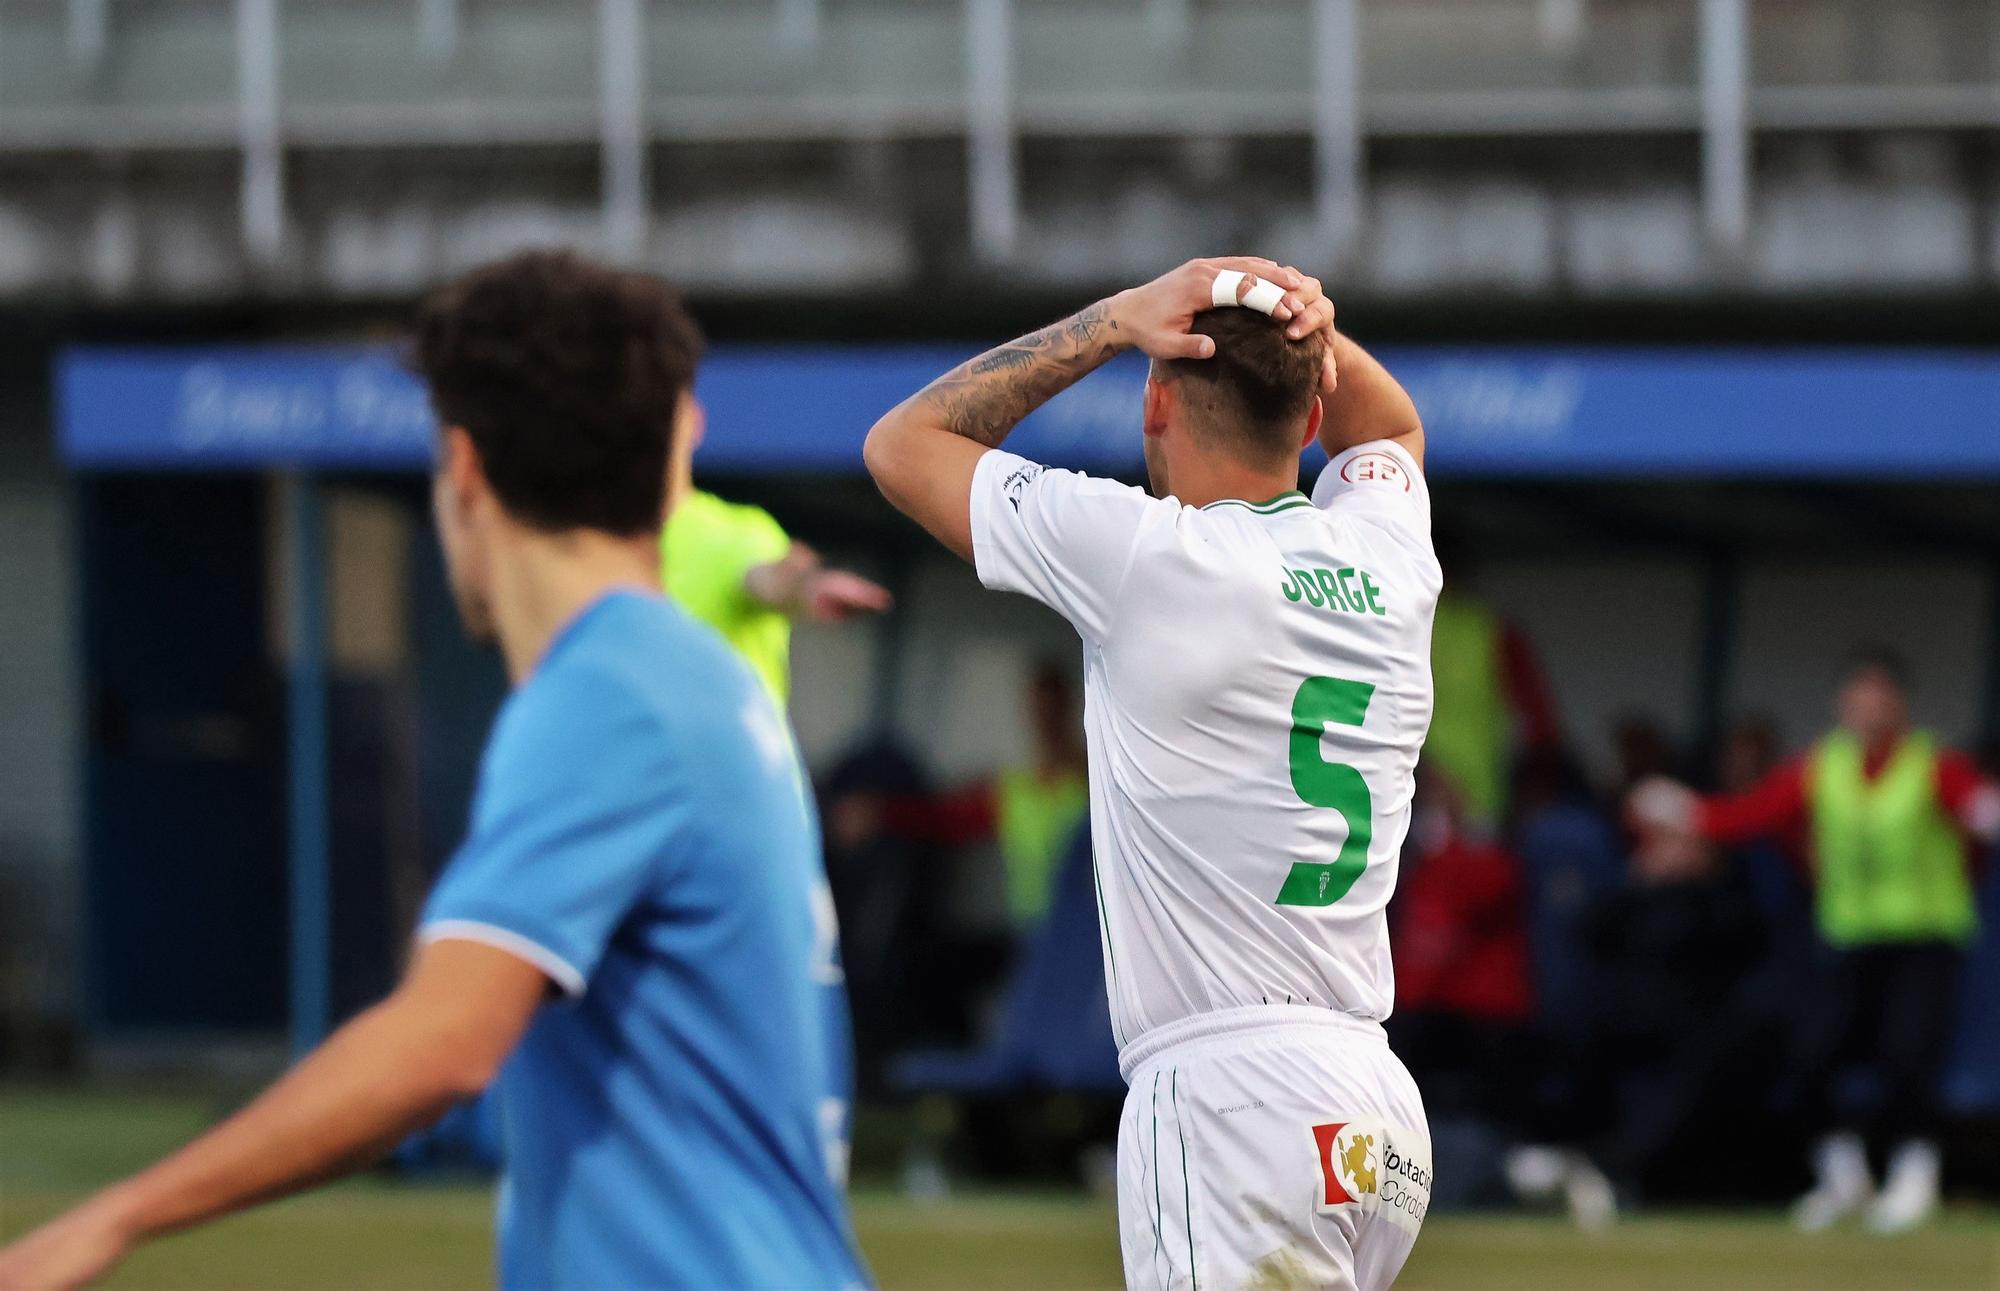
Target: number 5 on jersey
[(1322, 701)]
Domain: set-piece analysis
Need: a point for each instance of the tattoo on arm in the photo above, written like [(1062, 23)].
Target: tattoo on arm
[(985, 398)]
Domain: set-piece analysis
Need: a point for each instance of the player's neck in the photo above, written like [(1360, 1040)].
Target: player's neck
[(541, 581), (1199, 483)]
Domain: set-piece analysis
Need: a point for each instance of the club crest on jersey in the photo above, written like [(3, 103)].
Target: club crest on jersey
[(1375, 468)]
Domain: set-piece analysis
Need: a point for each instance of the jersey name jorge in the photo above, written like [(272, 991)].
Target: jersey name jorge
[(1347, 590)]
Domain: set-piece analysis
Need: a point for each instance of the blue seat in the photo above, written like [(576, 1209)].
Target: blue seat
[(1570, 859), (1055, 1027)]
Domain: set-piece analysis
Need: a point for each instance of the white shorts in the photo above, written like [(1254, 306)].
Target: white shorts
[(1267, 1147)]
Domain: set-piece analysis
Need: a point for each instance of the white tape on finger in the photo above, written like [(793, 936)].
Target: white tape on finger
[(1263, 296)]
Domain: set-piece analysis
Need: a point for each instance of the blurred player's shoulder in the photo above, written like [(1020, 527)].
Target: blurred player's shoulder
[(636, 679)]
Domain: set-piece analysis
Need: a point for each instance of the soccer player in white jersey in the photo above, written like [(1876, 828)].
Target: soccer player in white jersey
[(1257, 678)]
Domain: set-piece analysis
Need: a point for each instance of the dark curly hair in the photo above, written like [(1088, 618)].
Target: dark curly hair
[(566, 374), (1249, 396)]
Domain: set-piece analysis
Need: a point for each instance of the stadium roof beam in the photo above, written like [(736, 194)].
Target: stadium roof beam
[(1897, 520), (1619, 518), (437, 28), (1338, 164), (993, 163), (1560, 22), (1169, 22), (258, 126), (1725, 121), (85, 30), (621, 64), (798, 26)]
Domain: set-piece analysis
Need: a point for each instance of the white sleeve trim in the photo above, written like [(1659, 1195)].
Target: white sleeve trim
[(984, 492), (559, 970)]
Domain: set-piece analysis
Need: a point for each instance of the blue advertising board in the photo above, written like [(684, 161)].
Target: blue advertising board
[(1506, 411)]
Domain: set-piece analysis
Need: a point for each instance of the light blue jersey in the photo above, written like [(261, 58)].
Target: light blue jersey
[(642, 834)]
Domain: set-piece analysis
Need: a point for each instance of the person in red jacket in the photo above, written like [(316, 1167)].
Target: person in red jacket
[(1460, 943), (1889, 820)]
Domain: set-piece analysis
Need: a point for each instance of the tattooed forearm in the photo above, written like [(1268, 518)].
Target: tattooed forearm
[(988, 396)]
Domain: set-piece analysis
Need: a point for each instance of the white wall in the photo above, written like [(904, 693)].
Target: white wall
[(965, 663), (1614, 635), (1800, 621)]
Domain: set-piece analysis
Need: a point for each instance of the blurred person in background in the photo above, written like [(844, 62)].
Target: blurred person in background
[(1751, 750), (1258, 677), (1678, 1023), (1641, 750), (1493, 698), (735, 568), (907, 970), (1887, 815), (1570, 857), (1775, 864), (634, 938), (1464, 997), (1032, 810)]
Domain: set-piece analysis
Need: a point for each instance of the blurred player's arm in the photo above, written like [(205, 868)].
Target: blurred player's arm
[(1771, 806), (1366, 404), (1972, 799), (923, 452), (800, 585), (439, 1038)]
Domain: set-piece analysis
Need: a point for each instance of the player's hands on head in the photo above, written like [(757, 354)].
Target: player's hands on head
[(71, 1251), (1156, 317)]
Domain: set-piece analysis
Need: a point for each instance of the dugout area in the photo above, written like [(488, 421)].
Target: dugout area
[(282, 720)]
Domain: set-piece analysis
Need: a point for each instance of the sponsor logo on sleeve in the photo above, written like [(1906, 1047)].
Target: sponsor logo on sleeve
[(1375, 468), (1017, 482), (1368, 1165)]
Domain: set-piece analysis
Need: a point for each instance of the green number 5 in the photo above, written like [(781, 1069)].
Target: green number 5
[(1320, 701)]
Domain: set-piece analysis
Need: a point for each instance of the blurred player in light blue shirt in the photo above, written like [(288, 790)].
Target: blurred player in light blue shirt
[(640, 835), (636, 936)]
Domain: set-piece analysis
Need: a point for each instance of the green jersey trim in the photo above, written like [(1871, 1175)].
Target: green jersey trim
[(1287, 501)]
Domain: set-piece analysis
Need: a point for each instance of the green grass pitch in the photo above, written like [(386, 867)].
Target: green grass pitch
[(380, 1234)]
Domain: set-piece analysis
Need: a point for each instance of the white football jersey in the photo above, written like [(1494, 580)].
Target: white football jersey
[(1257, 684)]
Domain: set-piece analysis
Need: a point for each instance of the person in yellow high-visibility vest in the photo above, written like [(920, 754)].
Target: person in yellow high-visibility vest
[(1032, 810), (1491, 696), (1888, 819), (1039, 806), (736, 569)]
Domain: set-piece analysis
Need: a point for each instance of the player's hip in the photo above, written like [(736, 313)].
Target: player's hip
[(1283, 1147), (1235, 1031)]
